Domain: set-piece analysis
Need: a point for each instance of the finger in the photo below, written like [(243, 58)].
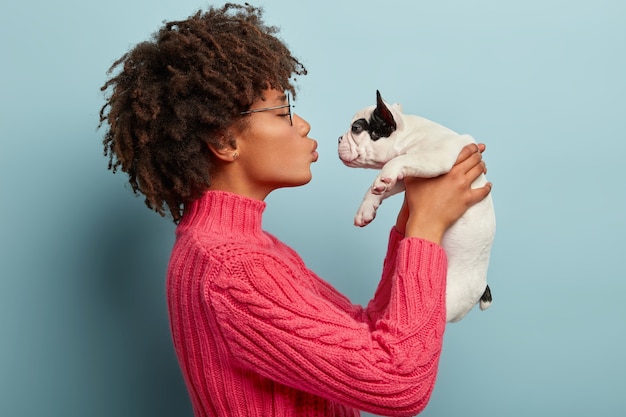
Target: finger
[(482, 147), (480, 193), (476, 171), (470, 162), (467, 151)]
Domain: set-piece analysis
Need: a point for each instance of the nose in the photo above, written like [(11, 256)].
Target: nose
[(302, 125), (340, 137)]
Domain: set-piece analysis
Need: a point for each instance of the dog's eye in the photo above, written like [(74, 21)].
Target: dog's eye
[(359, 126)]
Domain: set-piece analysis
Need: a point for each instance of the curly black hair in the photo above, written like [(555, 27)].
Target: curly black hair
[(179, 92)]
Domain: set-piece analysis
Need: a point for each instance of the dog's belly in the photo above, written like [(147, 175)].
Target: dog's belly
[(468, 244)]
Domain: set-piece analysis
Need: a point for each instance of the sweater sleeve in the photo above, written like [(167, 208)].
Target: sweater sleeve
[(378, 305), (276, 323)]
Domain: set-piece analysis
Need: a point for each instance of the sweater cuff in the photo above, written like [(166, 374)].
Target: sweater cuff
[(417, 254), (421, 268)]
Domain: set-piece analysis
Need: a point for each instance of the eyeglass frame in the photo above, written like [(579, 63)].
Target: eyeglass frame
[(282, 106)]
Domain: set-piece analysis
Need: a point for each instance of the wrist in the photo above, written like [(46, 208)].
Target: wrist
[(425, 230)]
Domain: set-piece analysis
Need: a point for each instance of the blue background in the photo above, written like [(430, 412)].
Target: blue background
[(84, 328)]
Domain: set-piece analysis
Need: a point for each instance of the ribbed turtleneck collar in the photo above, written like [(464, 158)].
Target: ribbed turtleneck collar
[(224, 213)]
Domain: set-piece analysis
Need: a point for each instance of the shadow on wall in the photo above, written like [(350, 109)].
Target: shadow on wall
[(129, 357)]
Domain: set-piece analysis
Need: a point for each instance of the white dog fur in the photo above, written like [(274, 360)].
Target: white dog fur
[(400, 145)]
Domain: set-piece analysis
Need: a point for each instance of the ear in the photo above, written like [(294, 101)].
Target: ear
[(382, 123), (225, 152), (383, 111)]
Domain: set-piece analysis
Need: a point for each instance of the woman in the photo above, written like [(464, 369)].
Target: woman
[(200, 119)]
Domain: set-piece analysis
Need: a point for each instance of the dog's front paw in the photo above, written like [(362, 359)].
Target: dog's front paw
[(364, 215), (383, 184)]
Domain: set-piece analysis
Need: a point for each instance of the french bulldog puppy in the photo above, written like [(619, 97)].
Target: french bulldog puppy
[(400, 145)]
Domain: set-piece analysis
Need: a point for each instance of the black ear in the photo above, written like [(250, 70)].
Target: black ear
[(382, 123)]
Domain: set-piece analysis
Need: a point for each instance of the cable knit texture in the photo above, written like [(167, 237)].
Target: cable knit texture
[(258, 334)]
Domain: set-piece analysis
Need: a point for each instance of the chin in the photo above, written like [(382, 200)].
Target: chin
[(307, 179), (300, 182)]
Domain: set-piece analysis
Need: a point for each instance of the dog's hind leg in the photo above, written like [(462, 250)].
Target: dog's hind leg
[(486, 299)]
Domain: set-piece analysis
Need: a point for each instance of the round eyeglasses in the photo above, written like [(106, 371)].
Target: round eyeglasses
[(282, 106)]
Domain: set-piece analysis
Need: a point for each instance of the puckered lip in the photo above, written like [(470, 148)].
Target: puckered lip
[(315, 154)]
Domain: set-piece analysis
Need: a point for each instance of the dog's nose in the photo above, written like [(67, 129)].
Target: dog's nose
[(340, 139)]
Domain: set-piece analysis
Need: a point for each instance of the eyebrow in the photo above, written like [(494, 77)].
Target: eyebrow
[(278, 98)]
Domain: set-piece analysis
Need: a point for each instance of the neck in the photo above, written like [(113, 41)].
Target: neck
[(229, 179)]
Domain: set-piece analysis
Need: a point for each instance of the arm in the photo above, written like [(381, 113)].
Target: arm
[(278, 325), (378, 305)]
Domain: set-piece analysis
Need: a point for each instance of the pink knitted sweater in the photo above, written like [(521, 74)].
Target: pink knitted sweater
[(259, 334)]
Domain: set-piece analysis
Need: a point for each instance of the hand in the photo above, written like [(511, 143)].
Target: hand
[(432, 205)]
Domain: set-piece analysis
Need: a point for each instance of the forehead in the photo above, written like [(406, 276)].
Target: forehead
[(364, 113)]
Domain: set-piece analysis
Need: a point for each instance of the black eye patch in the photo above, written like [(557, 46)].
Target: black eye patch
[(360, 126)]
